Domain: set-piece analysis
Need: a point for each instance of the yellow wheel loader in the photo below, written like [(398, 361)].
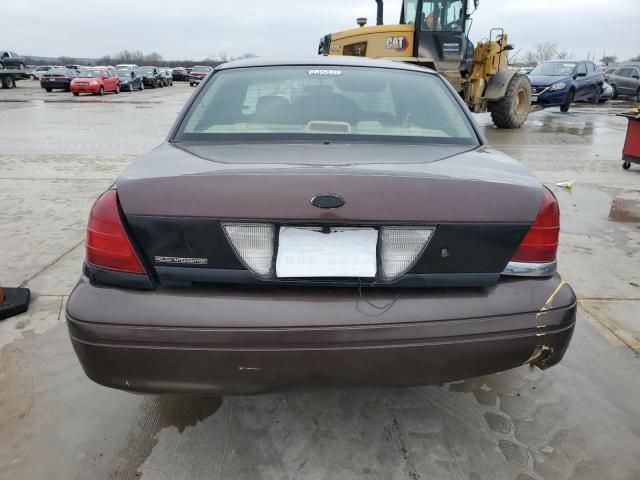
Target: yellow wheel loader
[(434, 33)]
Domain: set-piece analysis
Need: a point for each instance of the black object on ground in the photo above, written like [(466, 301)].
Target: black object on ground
[(16, 300)]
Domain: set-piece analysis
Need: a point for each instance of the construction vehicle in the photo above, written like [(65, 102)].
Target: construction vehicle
[(434, 34)]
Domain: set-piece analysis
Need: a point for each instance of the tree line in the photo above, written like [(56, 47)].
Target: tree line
[(139, 58), (543, 52)]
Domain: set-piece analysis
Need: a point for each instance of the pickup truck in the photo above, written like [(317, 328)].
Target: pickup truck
[(11, 60), (559, 83)]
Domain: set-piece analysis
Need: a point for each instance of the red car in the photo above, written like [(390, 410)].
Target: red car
[(198, 73), (96, 81)]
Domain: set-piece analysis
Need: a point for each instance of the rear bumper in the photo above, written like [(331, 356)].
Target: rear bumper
[(235, 341), (55, 85)]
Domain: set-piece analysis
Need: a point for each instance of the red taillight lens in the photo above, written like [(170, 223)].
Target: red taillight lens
[(541, 243), (107, 243)]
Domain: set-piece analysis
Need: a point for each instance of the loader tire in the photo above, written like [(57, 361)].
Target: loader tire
[(512, 110)]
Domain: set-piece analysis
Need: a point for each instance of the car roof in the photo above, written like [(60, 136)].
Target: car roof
[(322, 60)]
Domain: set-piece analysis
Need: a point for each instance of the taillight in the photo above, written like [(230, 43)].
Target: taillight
[(541, 243), (107, 243)]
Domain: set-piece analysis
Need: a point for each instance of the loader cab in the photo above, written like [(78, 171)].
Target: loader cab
[(441, 28)]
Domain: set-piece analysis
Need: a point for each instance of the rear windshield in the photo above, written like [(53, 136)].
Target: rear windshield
[(319, 103), (147, 71), (201, 69), (554, 69)]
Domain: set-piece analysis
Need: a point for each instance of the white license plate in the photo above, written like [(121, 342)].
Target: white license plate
[(306, 253), (534, 99)]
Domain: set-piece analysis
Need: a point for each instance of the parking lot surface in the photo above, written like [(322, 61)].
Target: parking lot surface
[(578, 420)]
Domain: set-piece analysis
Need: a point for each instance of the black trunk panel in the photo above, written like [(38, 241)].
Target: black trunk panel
[(471, 254)]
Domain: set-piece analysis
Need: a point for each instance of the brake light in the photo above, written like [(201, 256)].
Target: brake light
[(107, 243), (541, 243)]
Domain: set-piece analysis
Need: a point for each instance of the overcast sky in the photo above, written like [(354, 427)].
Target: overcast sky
[(194, 29)]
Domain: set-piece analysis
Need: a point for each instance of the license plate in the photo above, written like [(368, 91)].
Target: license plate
[(534, 99), (305, 253)]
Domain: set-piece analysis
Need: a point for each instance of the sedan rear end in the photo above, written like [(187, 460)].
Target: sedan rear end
[(57, 79), (341, 223)]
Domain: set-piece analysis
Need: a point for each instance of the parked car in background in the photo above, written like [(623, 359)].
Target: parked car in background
[(198, 73), (58, 79), (559, 83), (608, 71), (126, 66), (219, 263), (626, 81), (150, 76), (167, 77), (180, 74), (75, 67), (129, 81), (97, 81), (525, 70), (37, 72), (11, 60)]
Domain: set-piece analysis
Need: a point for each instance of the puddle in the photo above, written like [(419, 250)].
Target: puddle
[(624, 211), (583, 210)]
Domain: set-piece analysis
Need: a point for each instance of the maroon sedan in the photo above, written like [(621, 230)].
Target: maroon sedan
[(339, 222)]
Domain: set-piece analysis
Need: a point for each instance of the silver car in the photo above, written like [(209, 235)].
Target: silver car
[(626, 81)]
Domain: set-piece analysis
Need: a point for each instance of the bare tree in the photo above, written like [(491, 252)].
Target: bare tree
[(635, 59), (608, 59), (543, 52)]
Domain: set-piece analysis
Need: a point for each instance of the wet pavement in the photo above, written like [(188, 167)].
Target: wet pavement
[(578, 420)]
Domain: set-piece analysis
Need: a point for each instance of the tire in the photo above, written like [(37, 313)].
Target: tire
[(564, 108), (512, 110), (48, 90), (76, 94), (8, 82), (615, 92), (626, 165), (32, 77), (596, 98), (101, 91)]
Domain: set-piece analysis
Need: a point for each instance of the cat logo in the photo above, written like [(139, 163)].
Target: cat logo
[(397, 43)]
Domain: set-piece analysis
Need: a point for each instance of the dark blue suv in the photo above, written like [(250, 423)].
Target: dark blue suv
[(560, 82)]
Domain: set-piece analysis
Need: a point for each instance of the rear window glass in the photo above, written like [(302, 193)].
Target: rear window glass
[(58, 71), (302, 101)]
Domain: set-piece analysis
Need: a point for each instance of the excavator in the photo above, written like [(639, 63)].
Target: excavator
[(434, 34)]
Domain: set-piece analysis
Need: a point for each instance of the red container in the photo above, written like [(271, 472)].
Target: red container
[(631, 152)]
